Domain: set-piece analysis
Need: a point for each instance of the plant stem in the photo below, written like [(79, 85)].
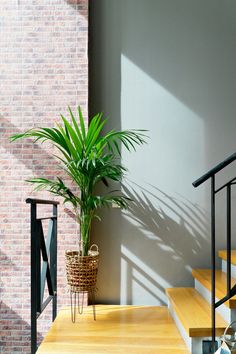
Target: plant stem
[(85, 226)]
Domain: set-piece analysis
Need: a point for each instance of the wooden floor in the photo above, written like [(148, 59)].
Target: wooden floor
[(118, 329)]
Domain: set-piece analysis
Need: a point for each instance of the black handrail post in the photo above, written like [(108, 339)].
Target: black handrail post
[(35, 270), (48, 271), (53, 260), (228, 215), (213, 265)]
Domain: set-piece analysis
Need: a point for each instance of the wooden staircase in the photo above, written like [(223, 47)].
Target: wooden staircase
[(191, 307)]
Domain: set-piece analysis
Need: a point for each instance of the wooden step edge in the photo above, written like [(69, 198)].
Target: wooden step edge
[(223, 255), (193, 298), (205, 280)]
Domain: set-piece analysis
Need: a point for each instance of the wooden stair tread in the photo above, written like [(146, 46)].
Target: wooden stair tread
[(204, 277), (223, 254), (194, 312), (118, 329)]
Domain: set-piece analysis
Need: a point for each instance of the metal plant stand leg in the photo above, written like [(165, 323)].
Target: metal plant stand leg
[(76, 306), (73, 305), (81, 307), (93, 303)]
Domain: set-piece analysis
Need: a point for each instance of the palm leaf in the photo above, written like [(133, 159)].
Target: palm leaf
[(55, 187), (73, 136), (88, 157), (82, 125), (79, 135), (94, 131)]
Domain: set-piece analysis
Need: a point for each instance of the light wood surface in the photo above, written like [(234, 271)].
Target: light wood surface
[(118, 329), (204, 277), (223, 254), (194, 312)]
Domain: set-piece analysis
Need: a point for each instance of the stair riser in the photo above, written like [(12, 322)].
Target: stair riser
[(224, 268), (194, 345), (228, 314)]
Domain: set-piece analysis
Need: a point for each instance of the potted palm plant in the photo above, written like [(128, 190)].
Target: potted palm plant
[(88, 158)]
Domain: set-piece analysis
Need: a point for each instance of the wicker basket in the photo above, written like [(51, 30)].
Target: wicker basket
[(81, 271)]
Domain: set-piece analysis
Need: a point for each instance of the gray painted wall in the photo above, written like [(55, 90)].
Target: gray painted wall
[(167, 66)]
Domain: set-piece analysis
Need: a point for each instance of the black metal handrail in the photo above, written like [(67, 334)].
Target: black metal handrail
[(230, 291), (214, 170), (43, 265)]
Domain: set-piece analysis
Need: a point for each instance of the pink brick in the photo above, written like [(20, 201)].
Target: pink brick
[(44, 68)]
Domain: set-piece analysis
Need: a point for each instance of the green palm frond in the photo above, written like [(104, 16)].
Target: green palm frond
[(56, 187), (88, 157), (74, 142)]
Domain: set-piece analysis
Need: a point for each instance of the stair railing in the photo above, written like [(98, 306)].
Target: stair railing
[(43, 265), (227, 186)]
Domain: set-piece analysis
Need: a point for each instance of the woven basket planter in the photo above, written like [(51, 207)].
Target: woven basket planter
[(81, 271)]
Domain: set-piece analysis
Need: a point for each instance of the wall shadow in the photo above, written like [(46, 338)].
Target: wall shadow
[(6, 265), (164, 237), (10, 323), (22, 148), (29, 154), (14, 279), (13, 329), (105, 70), (77, 4), (105, 99), (160, 239)]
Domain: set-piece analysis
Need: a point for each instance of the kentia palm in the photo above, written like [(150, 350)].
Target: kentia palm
[(88, 157)]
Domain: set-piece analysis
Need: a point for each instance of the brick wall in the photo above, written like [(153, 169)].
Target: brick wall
[(43, 68)]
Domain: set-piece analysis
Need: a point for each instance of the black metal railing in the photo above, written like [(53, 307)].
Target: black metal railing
[(43, 265), (230, 291)]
